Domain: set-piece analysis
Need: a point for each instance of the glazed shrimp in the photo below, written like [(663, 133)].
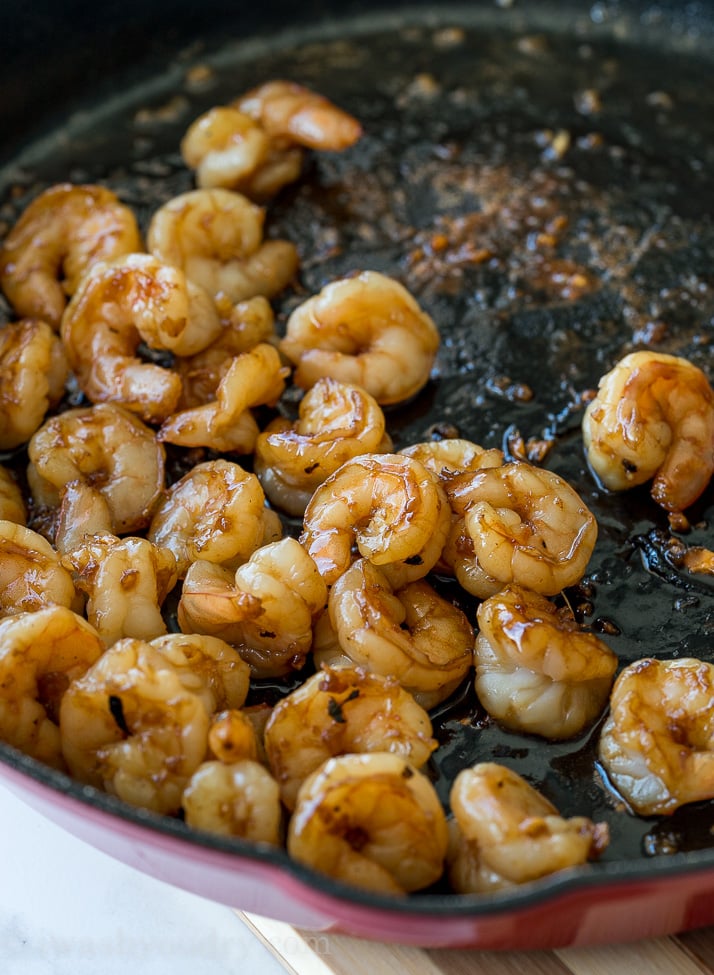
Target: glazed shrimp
[(12, 503), (215, 512), (215, 237), (390, 506), (241, 799), (31, 574), (112, 454), (59, 236), (336, 422), (33, 370), (412, 634), (233, 737), (537, 671), (521, 525), (367, 330), (266, 608), (120, 304), (136, 724), (254, 378), (449, 457), (507, 833), (372, 821), (653, 417), (40, 654), (657, 745), (126, 582), (341, 710)]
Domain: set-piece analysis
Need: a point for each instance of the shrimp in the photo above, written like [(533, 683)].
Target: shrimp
[(233, 737), (234, 800), (521, 525), (215, 512), (117, 306), (336, 422), (653, 417), (537, 671), (266, 608), (341, 710), (255, 378), (390, 506), (452, 456), (126, 581), (31, 574), (33, 371), (59, 236), (40, 654), (366, 330), (508, 833), (657, 745), (136, 724), (412, 634), (215, 237), (372, 821), (12, 503), (112, 454)]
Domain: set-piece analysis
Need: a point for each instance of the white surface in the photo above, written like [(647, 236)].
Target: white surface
[(66, 909)]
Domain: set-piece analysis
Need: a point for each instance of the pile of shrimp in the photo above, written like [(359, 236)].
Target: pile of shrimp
[(140, 601)]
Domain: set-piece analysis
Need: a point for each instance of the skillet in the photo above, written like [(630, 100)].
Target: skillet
[(487, 128)]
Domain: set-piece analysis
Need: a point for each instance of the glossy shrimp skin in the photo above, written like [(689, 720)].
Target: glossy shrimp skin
[(32, 576), (337, 711), (657, 745), (12, 503), (653, 419), (40, 654), (366, 330), (240, 799), (522, 525), (537, 670), (372, 821), (506, 832), (390, 506), (61, 233)]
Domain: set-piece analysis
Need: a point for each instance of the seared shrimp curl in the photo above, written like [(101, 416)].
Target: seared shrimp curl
[(390, 506), (506, 833), (372, 821), (367, 330), (521, 525), (537, 671), (241, 799), (657, 745), (653, 417), (31, 573), (59, 236), (341, 710)]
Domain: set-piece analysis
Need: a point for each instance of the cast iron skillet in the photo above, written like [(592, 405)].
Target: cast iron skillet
[(540, 176)]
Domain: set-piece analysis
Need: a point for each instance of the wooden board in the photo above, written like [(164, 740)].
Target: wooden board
[(308, 953)]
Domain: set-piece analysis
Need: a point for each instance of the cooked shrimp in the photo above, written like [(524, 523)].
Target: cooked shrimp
[(336, 422), (411, 634), (216, 237), (521, 525), (341, 710), (390, 506), (126, 582), (657, 745), (234, 800), (653, 417), (449, 457), (254, 378), (136, 724), (108, 450), (233, 737), (267, 608), (31, 574), (12, 503), (371, 821), (117, 306), (59, 236), (366, 330), (508, 833), (40, 653), (215, 512), (537, 670)]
